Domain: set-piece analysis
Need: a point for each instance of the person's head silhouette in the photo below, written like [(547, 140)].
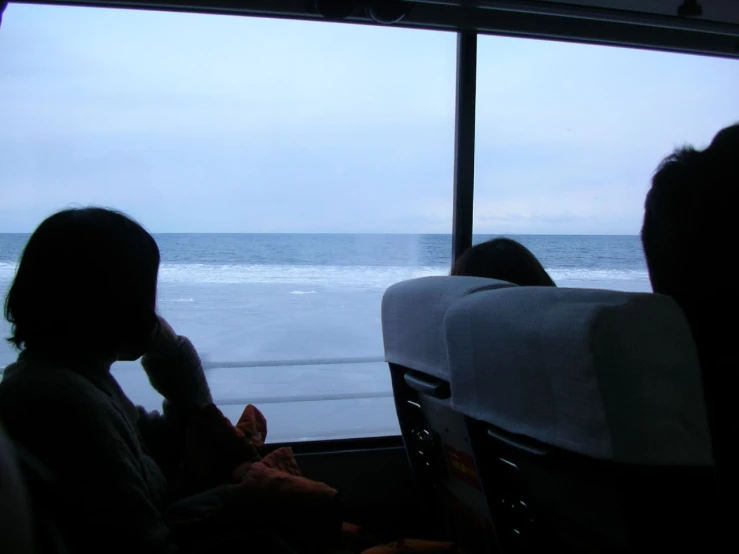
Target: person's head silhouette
[(85, 287)]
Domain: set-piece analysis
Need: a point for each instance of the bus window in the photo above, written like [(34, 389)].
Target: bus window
[(290, 171), (568, 137)]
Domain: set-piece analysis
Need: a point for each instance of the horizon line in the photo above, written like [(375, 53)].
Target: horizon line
[(363, 233)]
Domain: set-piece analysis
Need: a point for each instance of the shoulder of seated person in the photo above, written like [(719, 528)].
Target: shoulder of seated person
[(36, 391)]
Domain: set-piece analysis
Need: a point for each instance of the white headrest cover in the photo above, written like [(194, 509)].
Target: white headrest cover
[(606, 374), (413, 319)]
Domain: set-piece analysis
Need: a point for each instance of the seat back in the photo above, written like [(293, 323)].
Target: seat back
[(28, 506), (586, 417), (435, 436), (16, 516)]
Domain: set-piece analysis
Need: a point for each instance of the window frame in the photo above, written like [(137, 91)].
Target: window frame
[(599, 24), (605, 22)]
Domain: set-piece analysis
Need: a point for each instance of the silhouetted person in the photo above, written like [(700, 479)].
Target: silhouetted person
[(16, 517), (503, 259), (689, 238), (84, 296)]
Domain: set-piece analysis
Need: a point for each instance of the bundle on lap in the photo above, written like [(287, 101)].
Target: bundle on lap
[(263, 491)]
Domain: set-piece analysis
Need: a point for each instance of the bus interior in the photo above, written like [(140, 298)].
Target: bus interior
[(545, 460)]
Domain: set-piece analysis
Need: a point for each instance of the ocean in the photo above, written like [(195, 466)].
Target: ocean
[(312, 302)]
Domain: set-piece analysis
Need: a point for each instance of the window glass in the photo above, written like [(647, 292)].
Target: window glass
[(290, 171), (568, 138)]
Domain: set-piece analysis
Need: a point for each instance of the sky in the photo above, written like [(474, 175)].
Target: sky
[(202, 123)]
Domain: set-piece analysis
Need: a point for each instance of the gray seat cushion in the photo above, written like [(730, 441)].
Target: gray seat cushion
[(413, 319), (607, 374)]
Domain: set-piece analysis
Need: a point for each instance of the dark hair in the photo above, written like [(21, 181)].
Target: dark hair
[(503, 259), (86, 283), (687, 216)]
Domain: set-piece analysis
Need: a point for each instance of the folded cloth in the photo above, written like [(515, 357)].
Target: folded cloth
[(229, 481), (412, 546), (230, 484)]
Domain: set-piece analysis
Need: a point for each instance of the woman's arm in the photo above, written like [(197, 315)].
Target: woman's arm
[(175, 371)]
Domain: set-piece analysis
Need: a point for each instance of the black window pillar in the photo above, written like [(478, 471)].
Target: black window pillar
[(464, 142)]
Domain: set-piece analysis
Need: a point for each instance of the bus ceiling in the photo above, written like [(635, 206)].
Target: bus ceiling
[(709, 27)]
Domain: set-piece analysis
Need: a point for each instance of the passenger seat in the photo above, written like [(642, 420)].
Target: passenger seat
[(16, 515), (586, 417), (435, 436)]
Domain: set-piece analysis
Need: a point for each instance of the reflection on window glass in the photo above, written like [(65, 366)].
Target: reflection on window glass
[(289, 171), (568, 137)]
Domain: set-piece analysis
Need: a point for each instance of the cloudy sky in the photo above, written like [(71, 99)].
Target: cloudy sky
[(195, 123)]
